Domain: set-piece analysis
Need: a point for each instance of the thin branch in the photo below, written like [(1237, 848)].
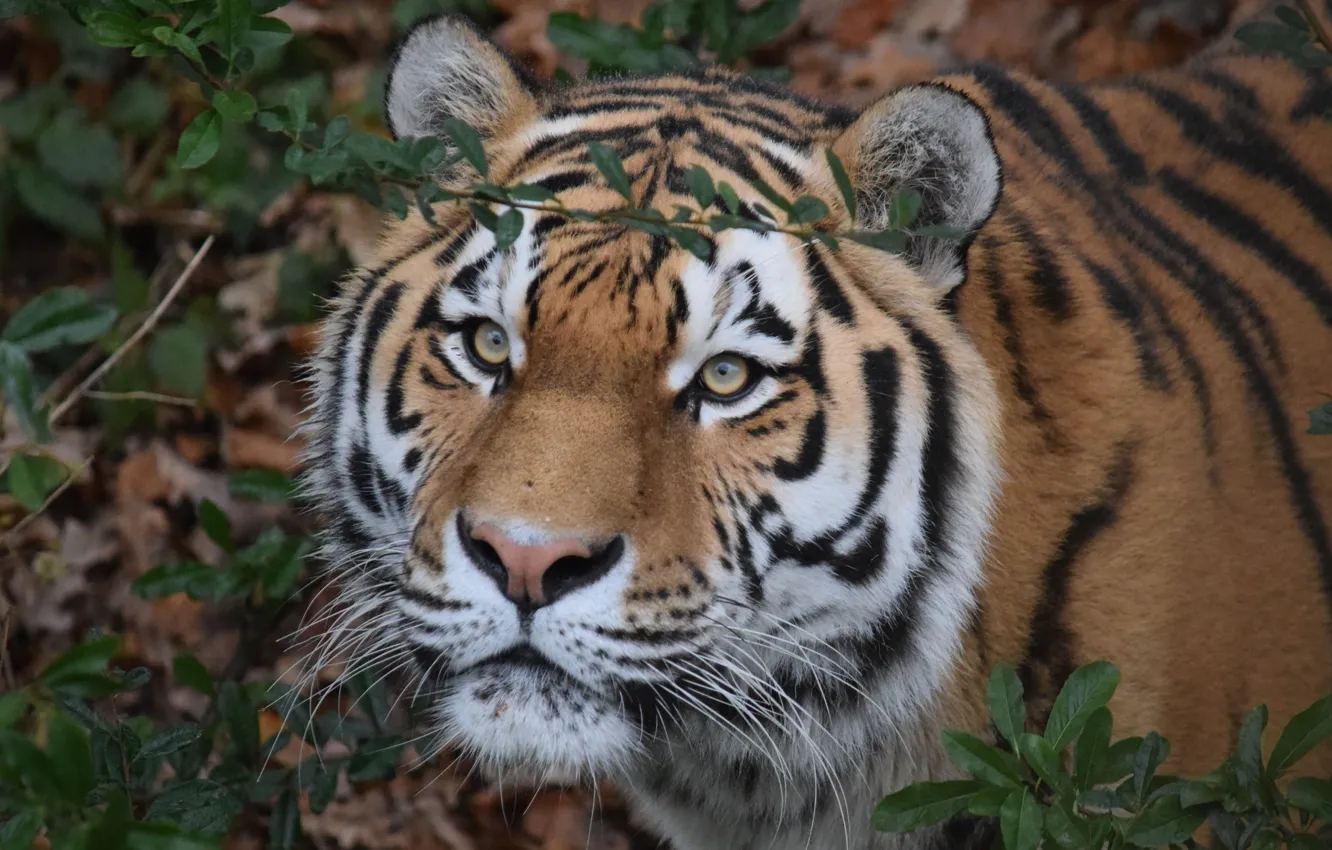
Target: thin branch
[(143, 395), (143, 330), (1316, 23)]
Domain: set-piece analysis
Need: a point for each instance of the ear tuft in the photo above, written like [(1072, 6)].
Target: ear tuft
[(445, 69), (934, 140)]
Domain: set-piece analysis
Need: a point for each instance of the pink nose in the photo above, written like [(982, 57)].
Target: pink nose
[(527, 565)]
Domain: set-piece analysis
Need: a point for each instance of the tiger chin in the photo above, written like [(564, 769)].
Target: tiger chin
[(743, 533)]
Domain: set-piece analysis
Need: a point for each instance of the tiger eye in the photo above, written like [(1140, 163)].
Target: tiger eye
[(725, 374), (491, 344)]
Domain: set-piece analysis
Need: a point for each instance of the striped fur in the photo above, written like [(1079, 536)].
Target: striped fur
[(1090, 448)]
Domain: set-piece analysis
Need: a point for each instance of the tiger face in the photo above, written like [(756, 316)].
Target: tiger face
[(612, 500)]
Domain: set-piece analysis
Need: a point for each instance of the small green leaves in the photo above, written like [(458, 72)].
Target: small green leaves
[(700, 186), (904, 208), (200, 139), (924, 804), (58, 317), (1090, 751), (31, 478), (1087, 689), (843, 184), (1151, 753), (1020, 821), (170, 740), (892, 241), (216, 525), (1045, 762), (261, 485), (1007, 709), (983, 761), (508, 228), (16, 387), (178, 358), (235, 105), (1313, 796), (233, 23), (808, 209), (1164, 822), (608, 163), (468, 142), (1320, 420), (1305, 731)]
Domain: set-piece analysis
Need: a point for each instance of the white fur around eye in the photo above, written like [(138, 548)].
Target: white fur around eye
[(710, 412)]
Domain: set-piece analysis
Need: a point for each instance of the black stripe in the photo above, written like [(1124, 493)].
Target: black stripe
[(1126, 307), (1096, 120), (940, 461), (399, 422), (811, 451), (879, 372), (1238, 226), (1051, 285), (375, 325), (363, 472), (826, 289), (1049, 650)]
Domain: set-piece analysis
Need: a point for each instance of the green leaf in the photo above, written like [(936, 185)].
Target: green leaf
[(58, 317), (284, 824), (84, 659), (21, 831), (1067, 828), (190, 672), (239, 713), (1090, 750), (1313, 796), (24, 115), (235, 105), (1164, 822), (1305, 731), (730, 198), (1087, 689), (178, 359), (1118, 761), (1042, 758), (774, 197), (843, 184), (693, 242), (1271, 36), (53, 201), (808, 209), (323, 789), (924, 804), (1320, 420), (32, 478), (169, 740), (336, 132), (267, 34), (1004, 694), (216, 525), (608, 163), (1020, 821), (261, 485), (200, 140), (988, 801), (13, 706), (700, 186), (1291, 17), (196, 580), (531, 193), (233, 21), (904, 209), (507, 229), (139, 106), (18, 392), (181, 42), (84, 155), (892, 241), (161, 836), (71, 757), (1249, 751), (468, 143), (1152, 752), (985, 762), (197, 804), (114, 29)]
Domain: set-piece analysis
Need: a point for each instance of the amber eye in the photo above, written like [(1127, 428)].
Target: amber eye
[(490, 345), (726, 375)]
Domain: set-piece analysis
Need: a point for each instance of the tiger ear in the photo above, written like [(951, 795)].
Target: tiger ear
[(936, 141), (445, 69)]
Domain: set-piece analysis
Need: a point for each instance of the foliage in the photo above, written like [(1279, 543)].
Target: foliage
[(1076, 788), (73, 766), (1296, 34)]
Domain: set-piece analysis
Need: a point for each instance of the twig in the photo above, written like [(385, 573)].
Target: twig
[(55, 494), (6, 670), (148, 324), (142, 395), (1317, 24)]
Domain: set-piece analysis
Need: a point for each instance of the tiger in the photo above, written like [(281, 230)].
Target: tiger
[(743, 531)]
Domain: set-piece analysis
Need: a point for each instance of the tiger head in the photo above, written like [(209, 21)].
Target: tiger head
[(600, 492)]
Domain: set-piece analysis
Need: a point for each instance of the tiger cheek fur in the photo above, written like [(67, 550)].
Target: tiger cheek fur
[(745, 533)]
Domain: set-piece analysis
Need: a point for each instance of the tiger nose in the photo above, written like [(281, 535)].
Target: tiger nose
[(537, 575)]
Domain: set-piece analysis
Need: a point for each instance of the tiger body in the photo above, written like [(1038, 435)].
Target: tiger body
[(1075, 436)]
